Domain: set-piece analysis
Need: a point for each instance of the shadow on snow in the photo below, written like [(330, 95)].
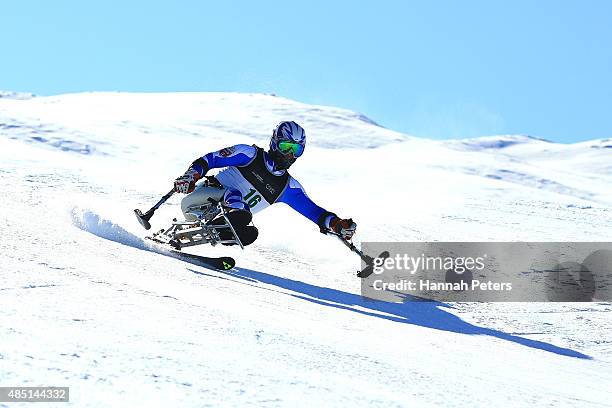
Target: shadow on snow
[(430, 314)]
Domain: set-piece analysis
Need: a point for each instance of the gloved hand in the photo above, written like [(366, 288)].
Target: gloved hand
[(186, 183), (345, 228)]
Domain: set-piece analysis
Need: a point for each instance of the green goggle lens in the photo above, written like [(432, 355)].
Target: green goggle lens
[(290, 147)]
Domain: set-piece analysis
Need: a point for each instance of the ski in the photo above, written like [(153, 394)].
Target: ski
[(223, 263)]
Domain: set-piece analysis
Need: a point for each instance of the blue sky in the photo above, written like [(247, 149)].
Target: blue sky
[(439, 69)]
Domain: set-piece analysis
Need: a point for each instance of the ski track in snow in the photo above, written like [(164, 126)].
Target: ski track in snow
[(85, 302)]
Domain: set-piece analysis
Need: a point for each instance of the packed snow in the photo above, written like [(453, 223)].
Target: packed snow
[(85, 303)]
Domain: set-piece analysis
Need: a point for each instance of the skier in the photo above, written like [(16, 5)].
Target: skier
[(253, 179)]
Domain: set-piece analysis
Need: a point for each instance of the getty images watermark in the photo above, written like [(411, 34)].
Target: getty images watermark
[(489, 271)]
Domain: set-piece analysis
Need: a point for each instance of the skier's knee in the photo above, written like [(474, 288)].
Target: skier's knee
[(248, 235), (239, 218), (198, 198)]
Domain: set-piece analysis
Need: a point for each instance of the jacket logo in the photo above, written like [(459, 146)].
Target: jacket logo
[(227, 151), (270, 189), (257, 176)]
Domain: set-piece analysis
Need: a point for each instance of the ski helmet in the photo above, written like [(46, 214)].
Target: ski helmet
[(287, 144)]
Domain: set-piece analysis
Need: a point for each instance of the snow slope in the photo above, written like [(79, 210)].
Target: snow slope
[(83, 303)]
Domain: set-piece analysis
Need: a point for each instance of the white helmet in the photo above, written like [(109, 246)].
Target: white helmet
[(287, 144)]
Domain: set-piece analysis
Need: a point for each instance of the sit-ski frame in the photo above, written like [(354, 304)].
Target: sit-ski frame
[(189, 233)]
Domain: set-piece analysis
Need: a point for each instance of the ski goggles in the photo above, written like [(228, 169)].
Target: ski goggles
[(287, 147)]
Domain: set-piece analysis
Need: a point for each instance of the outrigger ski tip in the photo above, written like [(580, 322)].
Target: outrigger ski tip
[(369, 269), (143, 219)]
